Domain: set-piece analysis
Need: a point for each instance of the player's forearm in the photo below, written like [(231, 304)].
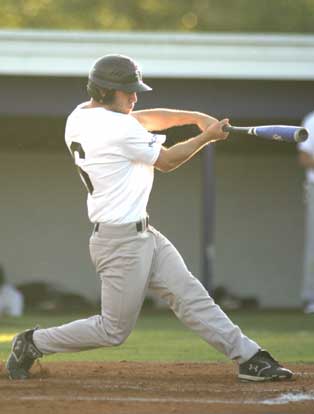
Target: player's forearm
[(175, 156), (306, 159), (160, 119), (180, 153)]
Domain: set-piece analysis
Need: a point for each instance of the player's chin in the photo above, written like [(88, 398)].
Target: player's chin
[(125, 111)]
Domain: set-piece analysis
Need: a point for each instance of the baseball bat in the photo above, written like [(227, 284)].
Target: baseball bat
[(287, 133)]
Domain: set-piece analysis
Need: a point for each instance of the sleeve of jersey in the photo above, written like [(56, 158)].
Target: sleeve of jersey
[(143, 146)]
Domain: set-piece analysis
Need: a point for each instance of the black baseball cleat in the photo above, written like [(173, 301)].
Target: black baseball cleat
[(23, 355), (263, 367)]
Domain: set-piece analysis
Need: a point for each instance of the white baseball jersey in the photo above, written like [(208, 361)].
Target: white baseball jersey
[(11, 300), (308, 145), (115, 156)]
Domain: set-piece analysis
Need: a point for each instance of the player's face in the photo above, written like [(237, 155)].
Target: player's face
[(124, 102)]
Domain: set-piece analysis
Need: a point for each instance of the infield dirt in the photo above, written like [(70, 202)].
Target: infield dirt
[(151, 388)]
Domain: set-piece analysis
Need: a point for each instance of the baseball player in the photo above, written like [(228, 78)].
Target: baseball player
[(116, 156), (11, 299), (306, 159)]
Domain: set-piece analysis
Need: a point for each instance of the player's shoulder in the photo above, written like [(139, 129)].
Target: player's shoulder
[(135, 124), (78, 107), (308, 122), (7, 288), (127, 124), (308, 119)]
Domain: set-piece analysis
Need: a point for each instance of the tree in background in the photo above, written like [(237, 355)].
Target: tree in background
[(161, 15)]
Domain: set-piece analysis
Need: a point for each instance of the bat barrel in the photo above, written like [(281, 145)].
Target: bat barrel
[(287, 133)]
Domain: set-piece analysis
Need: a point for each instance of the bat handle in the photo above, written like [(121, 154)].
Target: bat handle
[(227, 128)]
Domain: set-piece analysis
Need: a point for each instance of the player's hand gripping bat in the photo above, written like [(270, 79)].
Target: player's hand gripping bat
[(287, 133)]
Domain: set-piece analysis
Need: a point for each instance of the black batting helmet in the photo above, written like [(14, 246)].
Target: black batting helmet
[(117, 72)]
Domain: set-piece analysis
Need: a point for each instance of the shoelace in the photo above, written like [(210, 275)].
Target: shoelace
[(266, 354)]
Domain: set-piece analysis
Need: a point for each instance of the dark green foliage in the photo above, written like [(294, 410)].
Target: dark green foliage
[(161, 15)]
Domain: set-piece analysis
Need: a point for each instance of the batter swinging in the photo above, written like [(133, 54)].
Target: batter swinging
[(116, 157)]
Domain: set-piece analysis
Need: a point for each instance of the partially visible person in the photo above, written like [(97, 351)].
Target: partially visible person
[(11, 299), (306, 159)]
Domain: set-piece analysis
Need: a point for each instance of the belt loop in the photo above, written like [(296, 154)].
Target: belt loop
[(96, 228)]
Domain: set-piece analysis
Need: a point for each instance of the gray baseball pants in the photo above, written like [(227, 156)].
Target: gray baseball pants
[(128, 262), (308, 267)]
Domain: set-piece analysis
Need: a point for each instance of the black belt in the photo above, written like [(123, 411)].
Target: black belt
[(141, 225)]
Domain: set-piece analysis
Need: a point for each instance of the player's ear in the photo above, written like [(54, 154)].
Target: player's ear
[(107, 95), (102, 95)]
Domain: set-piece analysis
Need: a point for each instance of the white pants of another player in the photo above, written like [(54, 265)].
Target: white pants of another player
[(128, 262), (308, 267)]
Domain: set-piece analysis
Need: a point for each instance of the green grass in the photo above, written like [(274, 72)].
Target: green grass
[(159, 336)]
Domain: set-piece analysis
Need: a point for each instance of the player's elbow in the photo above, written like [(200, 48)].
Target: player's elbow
[(164, 168), (164, 162)]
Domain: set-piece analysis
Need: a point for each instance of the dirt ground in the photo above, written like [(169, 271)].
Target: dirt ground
[(151, 388)]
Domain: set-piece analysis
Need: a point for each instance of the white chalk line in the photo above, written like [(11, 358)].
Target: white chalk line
[(289, 397), (281, 400), (130, 399)]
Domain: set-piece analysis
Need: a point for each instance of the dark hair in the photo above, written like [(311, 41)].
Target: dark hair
[(95, 92)]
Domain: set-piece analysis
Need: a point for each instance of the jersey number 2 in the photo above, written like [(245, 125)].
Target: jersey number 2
[(77, 147)]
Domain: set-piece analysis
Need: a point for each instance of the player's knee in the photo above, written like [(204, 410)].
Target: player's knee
[(113, 335), (118, 339)]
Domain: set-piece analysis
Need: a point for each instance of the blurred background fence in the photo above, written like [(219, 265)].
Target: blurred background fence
[(204, 55)]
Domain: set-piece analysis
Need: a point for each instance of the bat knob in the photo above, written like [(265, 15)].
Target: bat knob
[(301, 135)]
